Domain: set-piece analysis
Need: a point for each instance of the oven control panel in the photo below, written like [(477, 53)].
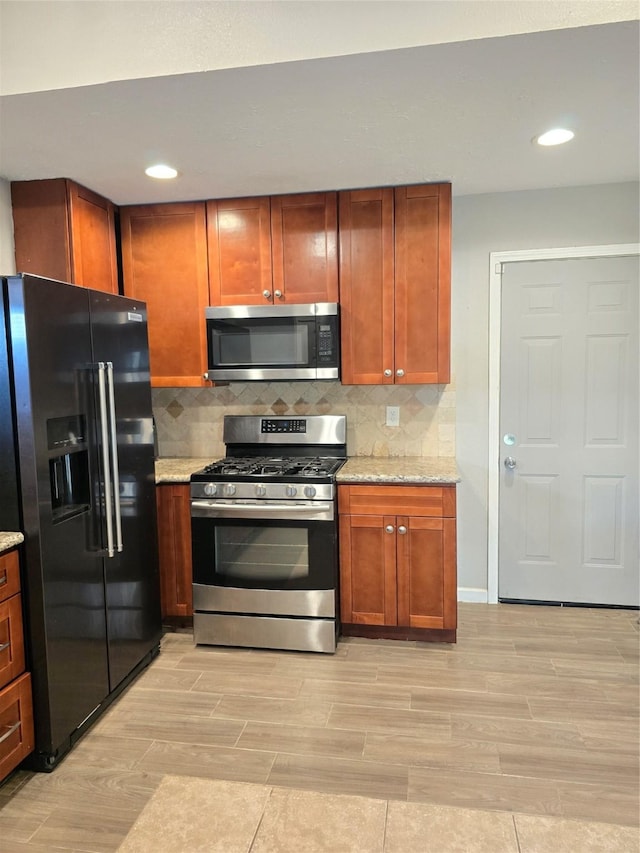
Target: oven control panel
[(289, 425)]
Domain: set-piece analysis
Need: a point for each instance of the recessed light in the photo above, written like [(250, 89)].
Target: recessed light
[(161, 171), (557, 136)]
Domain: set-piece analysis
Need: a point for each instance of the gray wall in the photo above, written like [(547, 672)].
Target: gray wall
[(544, 219)]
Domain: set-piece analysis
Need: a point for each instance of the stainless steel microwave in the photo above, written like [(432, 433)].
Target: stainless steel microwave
[(271, 342)]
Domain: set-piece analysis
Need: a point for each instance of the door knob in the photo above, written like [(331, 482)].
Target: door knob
[(389, 528), (388, 372), (400, 372), (509, 462), (266, 294), (402, 529)]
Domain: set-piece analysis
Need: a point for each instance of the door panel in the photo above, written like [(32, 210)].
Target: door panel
[(64, 588), (569, 397), (368, 566), (304, 247), (421, 572), (367, 286), (239, 247), (131, 576)]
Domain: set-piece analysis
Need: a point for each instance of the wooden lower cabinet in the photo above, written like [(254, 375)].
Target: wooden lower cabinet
[(398, 561), (174, 546), (16, 707)]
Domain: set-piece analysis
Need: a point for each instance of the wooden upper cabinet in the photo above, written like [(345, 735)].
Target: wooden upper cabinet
[(273, 250), (164, 263), (304, 232), (239, 244), (395, 280), (65, 231), (366, 286), (423, 283)]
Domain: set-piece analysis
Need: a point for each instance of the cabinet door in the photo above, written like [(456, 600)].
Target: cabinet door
[(174, 545), (239, 246), (368, 570), (426, 572), (366, 287), (93, 240), (303, 245), (41, 228), (164, 260), (422, 283)]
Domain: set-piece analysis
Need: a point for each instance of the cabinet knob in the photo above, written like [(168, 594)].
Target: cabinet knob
[(399, 372), (402, 529), (278, 293), (389, 528), (266, 294), (388, 372)]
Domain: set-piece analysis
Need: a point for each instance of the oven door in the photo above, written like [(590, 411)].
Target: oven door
[(267, 546)]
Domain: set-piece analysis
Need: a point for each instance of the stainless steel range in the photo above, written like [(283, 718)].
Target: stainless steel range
[(264, 530)]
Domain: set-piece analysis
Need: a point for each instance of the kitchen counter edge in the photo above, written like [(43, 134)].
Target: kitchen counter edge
[(399, 469), (9, 540), (178, 469)]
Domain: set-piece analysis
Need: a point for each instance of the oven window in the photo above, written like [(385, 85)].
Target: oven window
[(262, 554), (263, 343)]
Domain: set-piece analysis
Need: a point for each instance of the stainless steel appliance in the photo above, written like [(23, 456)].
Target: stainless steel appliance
[(76, 443), (266, 342), (264, 532)]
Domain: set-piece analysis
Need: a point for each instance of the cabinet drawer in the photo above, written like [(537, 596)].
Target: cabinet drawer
[(11, 640), (16, 724), (9, 574), (427, 501)]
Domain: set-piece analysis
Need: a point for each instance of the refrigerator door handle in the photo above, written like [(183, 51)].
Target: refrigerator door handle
[(102, 398), (114, 456)]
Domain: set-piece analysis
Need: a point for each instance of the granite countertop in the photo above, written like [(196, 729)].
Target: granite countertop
[(178, 469), (10, 540), (399, 469)]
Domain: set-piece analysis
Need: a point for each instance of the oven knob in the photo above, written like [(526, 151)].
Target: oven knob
[(261, 491), (310, 491), (229, 489), (210, 489), (291, 491)]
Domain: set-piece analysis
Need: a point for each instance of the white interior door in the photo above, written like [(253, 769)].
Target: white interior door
[(568, 508)]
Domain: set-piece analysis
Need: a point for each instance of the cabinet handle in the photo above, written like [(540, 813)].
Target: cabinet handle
[(10, 731), (5, 646), (400, 372), (278, 293), (389, 528), (266, 294), (402, 529), (4, 579), (388, 372)]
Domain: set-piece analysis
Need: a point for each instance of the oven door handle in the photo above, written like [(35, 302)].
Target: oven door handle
[(320, 510)]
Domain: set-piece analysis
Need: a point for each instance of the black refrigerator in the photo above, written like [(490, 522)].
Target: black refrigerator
[(77, 478)]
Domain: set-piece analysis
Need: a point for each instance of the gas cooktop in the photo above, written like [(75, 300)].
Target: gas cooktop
[(293, 468)]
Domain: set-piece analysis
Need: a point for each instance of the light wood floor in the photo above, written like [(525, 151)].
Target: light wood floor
[(529, 722)]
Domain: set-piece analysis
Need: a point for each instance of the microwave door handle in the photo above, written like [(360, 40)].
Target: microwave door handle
[(114, 456), (104, 434)]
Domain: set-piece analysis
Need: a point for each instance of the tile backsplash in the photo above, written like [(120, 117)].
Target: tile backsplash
[(189, 420)]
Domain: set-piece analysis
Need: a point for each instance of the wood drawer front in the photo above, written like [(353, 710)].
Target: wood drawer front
[(9, 574), (427, 501), (11, 640), (16, 724)]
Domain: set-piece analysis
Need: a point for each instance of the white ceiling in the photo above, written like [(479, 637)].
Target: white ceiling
[(463, 111)]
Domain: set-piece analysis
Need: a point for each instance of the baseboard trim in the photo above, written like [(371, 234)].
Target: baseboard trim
[(473, 595)]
